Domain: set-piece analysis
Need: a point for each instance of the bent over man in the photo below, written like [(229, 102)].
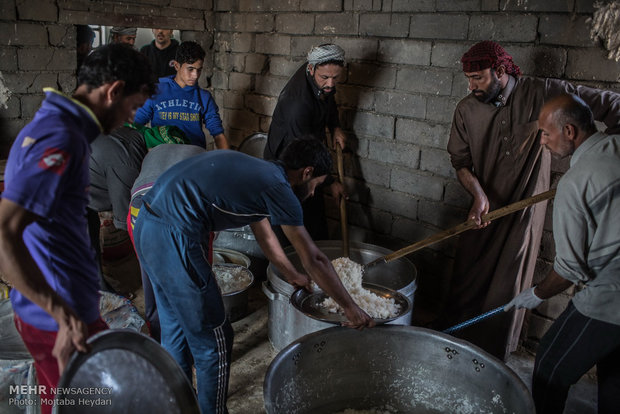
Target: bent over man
[(586, 229), (45, 250), (215, 191)]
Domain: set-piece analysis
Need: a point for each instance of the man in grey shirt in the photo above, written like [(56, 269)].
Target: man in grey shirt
[(586, 229), (115, 163)]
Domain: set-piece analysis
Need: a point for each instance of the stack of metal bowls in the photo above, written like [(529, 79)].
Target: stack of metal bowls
[(243, 240)]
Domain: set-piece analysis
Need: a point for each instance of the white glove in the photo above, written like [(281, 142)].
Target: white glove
[(526, 299)]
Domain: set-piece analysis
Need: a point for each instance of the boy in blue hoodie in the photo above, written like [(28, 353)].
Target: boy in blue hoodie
[(182, 103)]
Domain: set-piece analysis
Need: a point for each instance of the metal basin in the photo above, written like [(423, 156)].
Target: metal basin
[(235, 302), (242, 240), (286, 324), (398, 369), (310, 305), (127, 373)]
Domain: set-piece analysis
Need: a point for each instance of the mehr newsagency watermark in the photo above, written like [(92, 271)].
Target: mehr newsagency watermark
[(29, 395)]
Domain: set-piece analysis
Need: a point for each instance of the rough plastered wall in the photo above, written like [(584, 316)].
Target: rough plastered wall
[(402, 83), (37, 45)]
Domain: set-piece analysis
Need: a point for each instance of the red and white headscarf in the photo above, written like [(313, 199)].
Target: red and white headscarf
[(488, 54)]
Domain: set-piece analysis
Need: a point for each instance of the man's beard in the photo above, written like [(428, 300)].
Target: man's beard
[(302, 191), (329, 92), (489, 95)]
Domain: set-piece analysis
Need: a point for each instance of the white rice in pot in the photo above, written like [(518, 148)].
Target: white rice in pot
[(350, 274), (231, 278)]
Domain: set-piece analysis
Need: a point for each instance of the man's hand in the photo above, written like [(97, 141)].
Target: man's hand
[(336, 190), (72, 334), (300, 280), (479, 208), (526, 299), (357, 318), (339, 138)]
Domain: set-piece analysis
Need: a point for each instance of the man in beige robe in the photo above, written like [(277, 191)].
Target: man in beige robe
[(495, 149)]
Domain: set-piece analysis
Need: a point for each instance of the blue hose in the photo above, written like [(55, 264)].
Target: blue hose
[(474, 320)]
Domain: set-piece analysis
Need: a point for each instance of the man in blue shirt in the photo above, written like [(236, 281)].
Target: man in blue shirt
[(182, 103), (215, 191), (45, 251)]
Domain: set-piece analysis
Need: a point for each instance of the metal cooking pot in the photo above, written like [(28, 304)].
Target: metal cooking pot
[(398, 369), (125, 372), (285, 323), (243, 240), (254, 144), (235, 303)]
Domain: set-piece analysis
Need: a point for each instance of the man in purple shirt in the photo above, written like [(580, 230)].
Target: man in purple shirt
[(45, 251)]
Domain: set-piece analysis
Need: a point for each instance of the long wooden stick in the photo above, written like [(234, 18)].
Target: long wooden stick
[(343, 204), (460, 228)]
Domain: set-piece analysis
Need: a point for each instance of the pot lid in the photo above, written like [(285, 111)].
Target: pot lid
[(310, 304), (124, 372), (254, 144)]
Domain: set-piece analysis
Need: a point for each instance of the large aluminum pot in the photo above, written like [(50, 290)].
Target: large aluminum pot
[(398, 369), (125, 372), (243, 240), (286, 324)]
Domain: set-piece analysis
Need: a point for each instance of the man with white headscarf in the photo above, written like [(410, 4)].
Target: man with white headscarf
[(306, 106)]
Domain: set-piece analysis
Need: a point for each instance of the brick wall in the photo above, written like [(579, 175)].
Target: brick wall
[(401, 85)]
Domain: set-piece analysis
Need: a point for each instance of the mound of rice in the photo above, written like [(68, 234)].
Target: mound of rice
[(350, 273), (231, 278)]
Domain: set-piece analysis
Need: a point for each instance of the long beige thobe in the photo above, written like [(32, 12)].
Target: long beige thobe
[(502, 147)]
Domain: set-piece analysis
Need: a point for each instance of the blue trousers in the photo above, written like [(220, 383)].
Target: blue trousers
[(573, 345), (194, 328)]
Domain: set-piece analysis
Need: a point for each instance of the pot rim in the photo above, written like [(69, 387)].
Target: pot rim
[(293, 351)]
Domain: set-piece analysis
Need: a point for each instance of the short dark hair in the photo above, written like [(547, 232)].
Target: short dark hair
[(84, 34), (189, 52), (114, 62), (575, 111), (307, 151)]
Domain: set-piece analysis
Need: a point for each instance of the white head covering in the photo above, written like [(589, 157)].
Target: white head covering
[(325, 53), (124, 31)]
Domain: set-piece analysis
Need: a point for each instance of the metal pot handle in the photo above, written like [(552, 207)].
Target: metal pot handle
[(269, 292)]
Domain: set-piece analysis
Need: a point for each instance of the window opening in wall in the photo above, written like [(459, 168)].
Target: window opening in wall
[(92, 36)]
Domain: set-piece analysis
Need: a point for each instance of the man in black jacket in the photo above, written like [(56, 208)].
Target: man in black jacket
[(307, 106)]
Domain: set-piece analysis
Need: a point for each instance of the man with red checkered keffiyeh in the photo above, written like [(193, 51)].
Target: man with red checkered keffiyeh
[(495, 149)]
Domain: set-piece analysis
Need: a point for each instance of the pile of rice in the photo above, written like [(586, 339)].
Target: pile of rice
[(231, 278), (350, 273)]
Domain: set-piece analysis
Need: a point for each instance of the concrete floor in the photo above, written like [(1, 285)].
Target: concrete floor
[(252, 354)]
